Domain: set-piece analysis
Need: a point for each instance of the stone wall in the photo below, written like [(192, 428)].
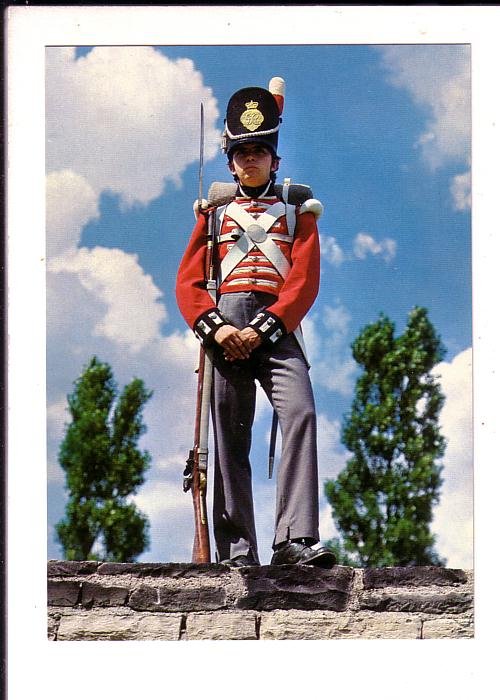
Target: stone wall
[(107, 601)]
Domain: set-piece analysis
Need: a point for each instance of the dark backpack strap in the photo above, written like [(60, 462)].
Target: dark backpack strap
[(297, 194)]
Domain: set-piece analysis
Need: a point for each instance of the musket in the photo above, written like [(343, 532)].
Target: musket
[(195, 473)]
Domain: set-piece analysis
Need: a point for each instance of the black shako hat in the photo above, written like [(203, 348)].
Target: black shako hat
[(253, 116)]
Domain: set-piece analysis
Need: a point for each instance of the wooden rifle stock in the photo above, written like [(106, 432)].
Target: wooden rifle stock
[(195, 474)]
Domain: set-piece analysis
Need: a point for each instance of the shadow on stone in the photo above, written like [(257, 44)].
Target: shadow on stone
[(298, 587)]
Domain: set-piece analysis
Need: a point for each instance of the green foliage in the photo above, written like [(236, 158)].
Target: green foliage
[(103, 467), (382, 500)]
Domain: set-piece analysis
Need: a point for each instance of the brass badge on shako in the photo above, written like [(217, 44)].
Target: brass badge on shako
[(251, 118)]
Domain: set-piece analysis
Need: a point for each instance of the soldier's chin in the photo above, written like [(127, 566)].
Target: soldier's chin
[(253, 181)]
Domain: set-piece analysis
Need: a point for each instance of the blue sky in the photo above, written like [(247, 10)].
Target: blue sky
[(381, 134)]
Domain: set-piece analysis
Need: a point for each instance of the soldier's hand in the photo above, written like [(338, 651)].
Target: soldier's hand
[(235, 346), (251, 337)]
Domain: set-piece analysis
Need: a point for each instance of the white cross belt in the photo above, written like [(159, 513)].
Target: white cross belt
[(254, 234)]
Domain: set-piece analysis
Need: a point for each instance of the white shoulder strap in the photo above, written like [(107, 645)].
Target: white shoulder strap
[(290, 208)]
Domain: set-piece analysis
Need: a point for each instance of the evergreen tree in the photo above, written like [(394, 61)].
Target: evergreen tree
[(382, 500), (103, 467)]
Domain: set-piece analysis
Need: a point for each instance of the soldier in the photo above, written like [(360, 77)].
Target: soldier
[(267, 250)]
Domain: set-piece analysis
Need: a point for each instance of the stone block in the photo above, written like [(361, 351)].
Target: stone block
[(448, 628), (299, 587), (97, 594), (407, 602), (299, 625), (163, 599), (414, 576), (100, 625), (221, 625), (52, 626), (63, 593), (174, 601), (71, 568), (175, 570)]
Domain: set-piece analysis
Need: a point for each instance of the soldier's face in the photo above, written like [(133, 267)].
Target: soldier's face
[(252, 164)]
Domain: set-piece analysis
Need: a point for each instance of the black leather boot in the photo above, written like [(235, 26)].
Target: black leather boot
[(298, 552)]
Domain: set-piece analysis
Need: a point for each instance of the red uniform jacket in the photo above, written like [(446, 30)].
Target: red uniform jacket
[(294, 295)]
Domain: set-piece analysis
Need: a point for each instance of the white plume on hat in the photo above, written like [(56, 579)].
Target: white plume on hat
[(277, 90)]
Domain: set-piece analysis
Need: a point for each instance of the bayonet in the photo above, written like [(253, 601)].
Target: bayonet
[(202, 149)]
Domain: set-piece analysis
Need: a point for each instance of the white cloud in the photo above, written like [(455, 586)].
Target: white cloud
[(332, 458), (453, 521), (126, 119), (170, 513), (331, 250), (57, 417), (71, 202), (365, 244), (327, 528), (461, 191), (336, 319), (438, 79), (133, 312), (328, 350), (338, 375), (263, 408)]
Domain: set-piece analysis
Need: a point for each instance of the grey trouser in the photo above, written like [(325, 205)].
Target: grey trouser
[(283, 374)]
